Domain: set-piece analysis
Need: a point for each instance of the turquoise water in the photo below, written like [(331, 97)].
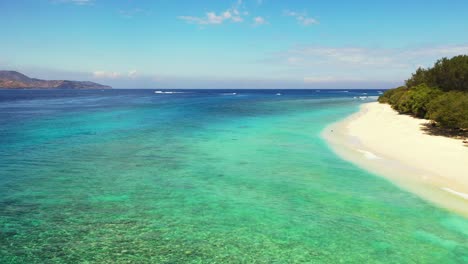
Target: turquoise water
[(200, 177)]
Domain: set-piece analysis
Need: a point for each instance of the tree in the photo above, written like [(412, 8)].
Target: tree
[(439, 93), (450, 110), (451, 74), (419, 77)]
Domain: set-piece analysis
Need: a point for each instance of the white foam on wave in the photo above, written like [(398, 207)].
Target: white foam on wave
[(167, 92), (229, 93), (368, 154), (278, 94), (463, 195)]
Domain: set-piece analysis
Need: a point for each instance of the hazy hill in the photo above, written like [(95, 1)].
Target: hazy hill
[(16, 80)]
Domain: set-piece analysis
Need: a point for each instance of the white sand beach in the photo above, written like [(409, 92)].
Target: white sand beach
[(394, 146)]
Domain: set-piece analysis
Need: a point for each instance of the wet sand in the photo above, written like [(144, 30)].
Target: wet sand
[(394, 146)]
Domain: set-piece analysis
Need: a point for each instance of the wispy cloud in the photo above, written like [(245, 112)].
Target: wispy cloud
[(132, 74), (106, 75), (259, 21), (301, 18), (76, 2), (330, 79), (378, 57), (130, 13), (232, 14), (353, 64), (344, 56), (115, 75)]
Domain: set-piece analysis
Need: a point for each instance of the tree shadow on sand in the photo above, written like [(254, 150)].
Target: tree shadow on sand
[(431, 128)]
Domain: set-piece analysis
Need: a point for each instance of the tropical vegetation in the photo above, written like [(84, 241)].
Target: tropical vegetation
[(439, 93)]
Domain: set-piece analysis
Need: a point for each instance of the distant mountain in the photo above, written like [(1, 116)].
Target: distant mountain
[(16, 80)]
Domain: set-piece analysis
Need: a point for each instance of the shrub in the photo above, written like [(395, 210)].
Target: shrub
[(410, 101), (450, 110), (418, 99), (392, 96)]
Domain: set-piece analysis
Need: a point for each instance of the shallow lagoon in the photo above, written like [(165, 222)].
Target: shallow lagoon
[(201, 177)]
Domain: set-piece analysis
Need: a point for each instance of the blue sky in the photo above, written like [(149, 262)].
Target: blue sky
[(230, 44)]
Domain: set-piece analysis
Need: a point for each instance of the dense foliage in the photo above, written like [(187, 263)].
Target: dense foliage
[(447, 74), (439, 93), (450, 109)]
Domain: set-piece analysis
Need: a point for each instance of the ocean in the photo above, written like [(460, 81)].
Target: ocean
[(201, 176)]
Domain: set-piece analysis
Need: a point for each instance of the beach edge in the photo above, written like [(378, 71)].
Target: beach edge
[(358, 139)]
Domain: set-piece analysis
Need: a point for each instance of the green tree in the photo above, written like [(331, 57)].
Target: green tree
[(419, 97), (419, 77), (450, 110), (450, 74), (439, 93), (447, 74), (393, 95)]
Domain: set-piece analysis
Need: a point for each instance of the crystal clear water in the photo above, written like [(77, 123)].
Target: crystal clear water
[(131, 176)]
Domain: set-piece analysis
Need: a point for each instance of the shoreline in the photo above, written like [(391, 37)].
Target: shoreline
[(393, 146)]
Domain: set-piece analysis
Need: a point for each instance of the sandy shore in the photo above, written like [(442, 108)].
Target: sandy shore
[(380, 140)]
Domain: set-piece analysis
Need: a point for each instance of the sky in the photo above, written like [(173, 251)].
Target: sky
[(230, 44)]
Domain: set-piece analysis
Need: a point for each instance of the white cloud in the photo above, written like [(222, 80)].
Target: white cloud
[(294, 60), (307, 21), (355, 56), (237, 19), (259, 21), (375, 57), (289, 13), (319, 79), (115, 75), (301, 18), (212, 18), (106, 75), (355, 64), (330, 79), (132, 74)]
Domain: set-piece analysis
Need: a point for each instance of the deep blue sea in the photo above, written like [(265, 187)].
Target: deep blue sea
[(201, 176)]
